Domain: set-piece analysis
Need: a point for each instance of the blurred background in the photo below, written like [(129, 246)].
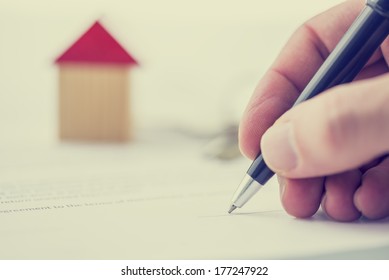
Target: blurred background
[(199, 60)]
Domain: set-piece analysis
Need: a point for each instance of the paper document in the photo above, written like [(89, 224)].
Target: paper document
[(160, 199)]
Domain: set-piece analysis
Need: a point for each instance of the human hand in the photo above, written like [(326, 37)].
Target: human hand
[(329, 150)]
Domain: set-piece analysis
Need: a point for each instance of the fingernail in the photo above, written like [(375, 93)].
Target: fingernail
[(278, 148), (281, 183), (357, 200), (323, 204)]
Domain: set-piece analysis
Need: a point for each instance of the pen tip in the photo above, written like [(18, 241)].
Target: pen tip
[(232, 208)]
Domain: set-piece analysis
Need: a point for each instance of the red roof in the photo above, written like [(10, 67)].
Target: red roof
[(96, 46)]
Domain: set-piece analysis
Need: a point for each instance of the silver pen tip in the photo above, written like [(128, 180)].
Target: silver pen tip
[(232, 208)]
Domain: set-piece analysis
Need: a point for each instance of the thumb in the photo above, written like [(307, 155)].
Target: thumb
[(336, 131)]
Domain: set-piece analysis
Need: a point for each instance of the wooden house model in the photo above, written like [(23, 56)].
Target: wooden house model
[(94, 88)]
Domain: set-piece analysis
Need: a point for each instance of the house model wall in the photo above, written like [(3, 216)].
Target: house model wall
[(94, 88)]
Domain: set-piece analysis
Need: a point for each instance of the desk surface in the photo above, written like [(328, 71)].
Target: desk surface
[(158, 198)]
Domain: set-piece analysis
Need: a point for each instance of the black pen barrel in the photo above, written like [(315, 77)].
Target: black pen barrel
[(351, 54)]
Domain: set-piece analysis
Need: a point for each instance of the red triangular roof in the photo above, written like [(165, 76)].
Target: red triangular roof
[(96, 46)]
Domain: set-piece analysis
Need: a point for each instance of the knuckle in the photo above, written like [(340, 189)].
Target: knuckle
[(341, 126)]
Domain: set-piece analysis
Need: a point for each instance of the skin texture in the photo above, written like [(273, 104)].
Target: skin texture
[(336, 157)]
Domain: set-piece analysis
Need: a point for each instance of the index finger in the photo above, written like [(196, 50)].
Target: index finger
[(296, 64)]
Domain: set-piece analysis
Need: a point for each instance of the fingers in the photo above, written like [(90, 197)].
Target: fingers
[(336, 131), (338, 201), (296, 64), (262, 111), (301, 197), (372, 198), (344, 197)]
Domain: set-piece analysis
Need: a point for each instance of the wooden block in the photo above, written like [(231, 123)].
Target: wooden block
[(94, 102)]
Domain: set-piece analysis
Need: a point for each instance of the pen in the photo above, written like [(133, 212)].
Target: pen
[(347, 59)]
